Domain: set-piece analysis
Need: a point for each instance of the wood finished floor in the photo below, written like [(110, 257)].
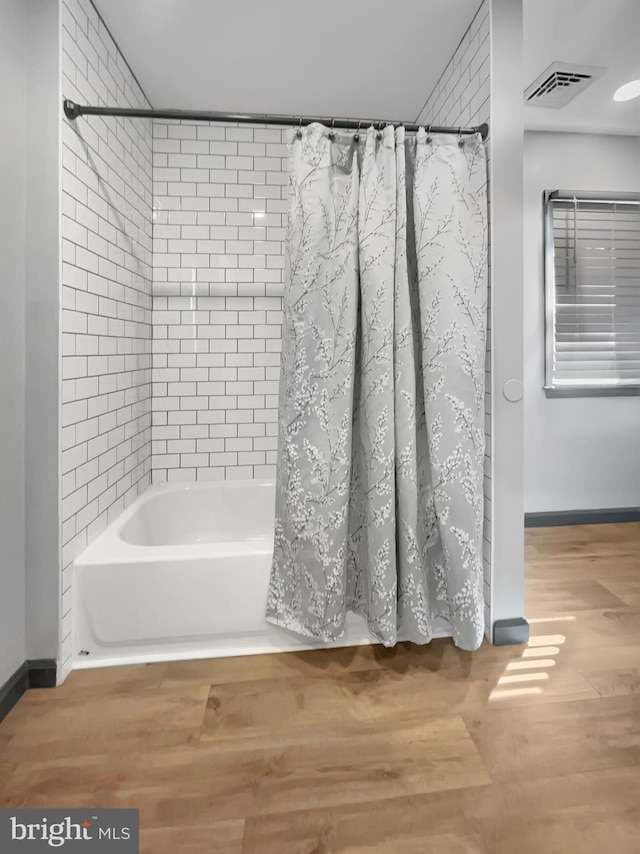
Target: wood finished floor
[(532, 749)]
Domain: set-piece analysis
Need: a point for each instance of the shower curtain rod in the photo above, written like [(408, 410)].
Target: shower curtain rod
[(74, 111)]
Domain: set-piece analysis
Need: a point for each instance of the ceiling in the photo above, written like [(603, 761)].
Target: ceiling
[(344, 58), (589, 32)]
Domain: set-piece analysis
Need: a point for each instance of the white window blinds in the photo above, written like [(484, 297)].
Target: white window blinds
[(592, 272)]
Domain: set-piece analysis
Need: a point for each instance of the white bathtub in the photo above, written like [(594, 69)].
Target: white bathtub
[(183, 573)]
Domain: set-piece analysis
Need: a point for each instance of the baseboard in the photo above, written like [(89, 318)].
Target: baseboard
[(37, 673), (508, 632), (42, 672), (13, 689), (555, 518)]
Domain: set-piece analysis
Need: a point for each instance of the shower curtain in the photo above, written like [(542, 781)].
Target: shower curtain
[(379, 484)]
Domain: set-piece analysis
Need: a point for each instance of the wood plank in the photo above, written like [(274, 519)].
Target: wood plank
[(588, 812), (582, 541), (103, 681), (82, 724), (435, 755), (609, 658), (439, 822), (550, 597), (179, 784), (626, 589), (270, 711), (222, 837), (318, 663), (613, 683), (554, 739), (172, 786), (591, 629), (578, 568)]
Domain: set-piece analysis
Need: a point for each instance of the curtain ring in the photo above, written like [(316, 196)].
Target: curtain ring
[(429, 140), (356, 136), (460, 139), (299, 131), (332, 134), (379, 134)]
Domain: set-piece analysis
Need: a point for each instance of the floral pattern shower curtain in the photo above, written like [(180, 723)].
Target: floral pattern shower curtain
[(379, 488)]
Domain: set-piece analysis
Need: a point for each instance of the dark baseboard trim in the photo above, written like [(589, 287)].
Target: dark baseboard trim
[(42, 672), (37, 673), (13, 689), (507, 632), (555, 518)]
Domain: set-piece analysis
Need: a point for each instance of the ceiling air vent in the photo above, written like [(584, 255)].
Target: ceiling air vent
[(560, 83)]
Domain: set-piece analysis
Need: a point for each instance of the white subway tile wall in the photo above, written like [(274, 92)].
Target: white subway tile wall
[(220, 216), (106, 294), (462, 98)]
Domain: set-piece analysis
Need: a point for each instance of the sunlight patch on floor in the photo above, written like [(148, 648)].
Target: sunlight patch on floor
[(531, 664), (540, 650), (547, 640), (523, 677), (503, 693)]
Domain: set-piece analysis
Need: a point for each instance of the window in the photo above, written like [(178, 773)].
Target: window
[(592, 293)]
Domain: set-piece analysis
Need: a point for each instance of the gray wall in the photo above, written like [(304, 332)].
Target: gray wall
[(13, 85), (29, 339), (580, 453), (505, 215), (42, 330)]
